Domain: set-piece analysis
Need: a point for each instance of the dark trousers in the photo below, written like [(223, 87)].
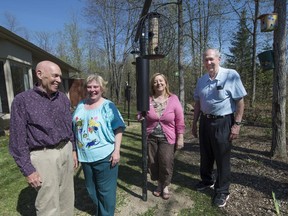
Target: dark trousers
[(215, 146), (160, 159), (101, 183)]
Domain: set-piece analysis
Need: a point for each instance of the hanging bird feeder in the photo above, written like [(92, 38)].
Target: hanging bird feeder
[(266, 59), (156, 36), (268, 22)]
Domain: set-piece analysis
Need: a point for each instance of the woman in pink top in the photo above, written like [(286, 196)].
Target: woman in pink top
[(165, 129)]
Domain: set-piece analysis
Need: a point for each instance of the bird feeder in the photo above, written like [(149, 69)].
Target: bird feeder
[(266, 59), (153, 35), (156, 37), (269, 22), (136, 54)]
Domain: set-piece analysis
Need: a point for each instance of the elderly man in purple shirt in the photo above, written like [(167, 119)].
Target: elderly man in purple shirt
[(42, 142)]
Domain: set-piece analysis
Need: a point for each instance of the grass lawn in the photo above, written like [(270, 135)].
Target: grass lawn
[(16, 198)]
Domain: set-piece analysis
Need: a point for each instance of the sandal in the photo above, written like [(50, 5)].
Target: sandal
[(166, 196), (157, 193)]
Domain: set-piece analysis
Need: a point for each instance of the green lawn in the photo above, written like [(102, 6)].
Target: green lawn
[(16, 198)]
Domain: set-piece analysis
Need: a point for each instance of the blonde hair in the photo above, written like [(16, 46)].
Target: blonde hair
[(152, 83), (99, 79)]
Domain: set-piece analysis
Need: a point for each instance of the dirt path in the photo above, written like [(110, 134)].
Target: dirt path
[(254, 177), (156, 205)]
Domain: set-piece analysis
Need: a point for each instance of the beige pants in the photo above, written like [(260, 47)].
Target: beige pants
[(55, 166)]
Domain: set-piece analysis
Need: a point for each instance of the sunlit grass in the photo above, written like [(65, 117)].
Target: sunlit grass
[(11, 181), (16, 199)]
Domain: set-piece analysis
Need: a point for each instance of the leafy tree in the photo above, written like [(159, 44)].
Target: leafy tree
[(61, 47), (71, 44), (241, 50), (264, 81), (74, 38)]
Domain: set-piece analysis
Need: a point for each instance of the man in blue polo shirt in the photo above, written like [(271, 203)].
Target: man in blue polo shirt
[(220, 105)]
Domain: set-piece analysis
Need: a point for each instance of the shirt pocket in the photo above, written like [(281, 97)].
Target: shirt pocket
[(221, 94)]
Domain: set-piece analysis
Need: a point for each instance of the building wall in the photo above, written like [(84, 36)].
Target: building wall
[(11, 54), (14, 52), (18, 59)]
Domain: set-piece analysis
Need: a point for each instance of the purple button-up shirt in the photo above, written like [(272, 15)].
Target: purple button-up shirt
[(38, 121)]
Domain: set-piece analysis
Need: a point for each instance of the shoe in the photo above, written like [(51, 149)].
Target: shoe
[(202, 186), (157, 193), (165, 193), (165, 196), (220, 200)]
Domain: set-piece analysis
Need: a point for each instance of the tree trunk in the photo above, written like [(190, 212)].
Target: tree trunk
[(180, 54), (278, 149), (255, 21)]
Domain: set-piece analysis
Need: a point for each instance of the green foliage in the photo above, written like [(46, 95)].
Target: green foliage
[(276, 204), (241, 50), (264, 84), (264, 81)]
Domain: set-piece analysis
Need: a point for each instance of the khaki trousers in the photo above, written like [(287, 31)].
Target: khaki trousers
[(56, 195)]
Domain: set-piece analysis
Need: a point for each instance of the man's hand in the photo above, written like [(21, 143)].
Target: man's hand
[(194, 130), (75, 159), (235, 129), (34, 180)]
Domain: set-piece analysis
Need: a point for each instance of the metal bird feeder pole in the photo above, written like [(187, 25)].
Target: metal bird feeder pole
[(153, 38)]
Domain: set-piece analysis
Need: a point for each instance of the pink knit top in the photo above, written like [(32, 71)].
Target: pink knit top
[(171, 120)]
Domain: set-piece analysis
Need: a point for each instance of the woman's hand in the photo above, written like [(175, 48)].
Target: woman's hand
[(115, 158), (180, 142)]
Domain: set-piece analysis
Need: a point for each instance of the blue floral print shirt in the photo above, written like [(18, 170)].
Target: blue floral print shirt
[(94, 130)]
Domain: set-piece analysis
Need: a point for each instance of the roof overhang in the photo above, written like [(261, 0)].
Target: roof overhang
[(35, 50)]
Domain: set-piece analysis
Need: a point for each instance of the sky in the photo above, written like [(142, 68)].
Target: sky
[(40, 15)]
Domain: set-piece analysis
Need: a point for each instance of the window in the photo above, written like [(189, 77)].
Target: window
[(4, 108), (20, 77)]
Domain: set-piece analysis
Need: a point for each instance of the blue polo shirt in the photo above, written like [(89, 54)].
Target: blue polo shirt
[(218, 96)]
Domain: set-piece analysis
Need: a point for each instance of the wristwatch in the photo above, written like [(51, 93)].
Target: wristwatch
[(238, 123)]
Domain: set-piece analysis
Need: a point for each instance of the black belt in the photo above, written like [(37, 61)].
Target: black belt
[(60, 145), (210, 116)]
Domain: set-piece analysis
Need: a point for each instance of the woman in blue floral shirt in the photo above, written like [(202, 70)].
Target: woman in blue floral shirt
[(98, 128)]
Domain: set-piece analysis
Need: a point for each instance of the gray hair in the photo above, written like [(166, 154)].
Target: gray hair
[(216, 51)]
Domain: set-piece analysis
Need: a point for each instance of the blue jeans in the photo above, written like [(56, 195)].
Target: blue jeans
[(101, 184)]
